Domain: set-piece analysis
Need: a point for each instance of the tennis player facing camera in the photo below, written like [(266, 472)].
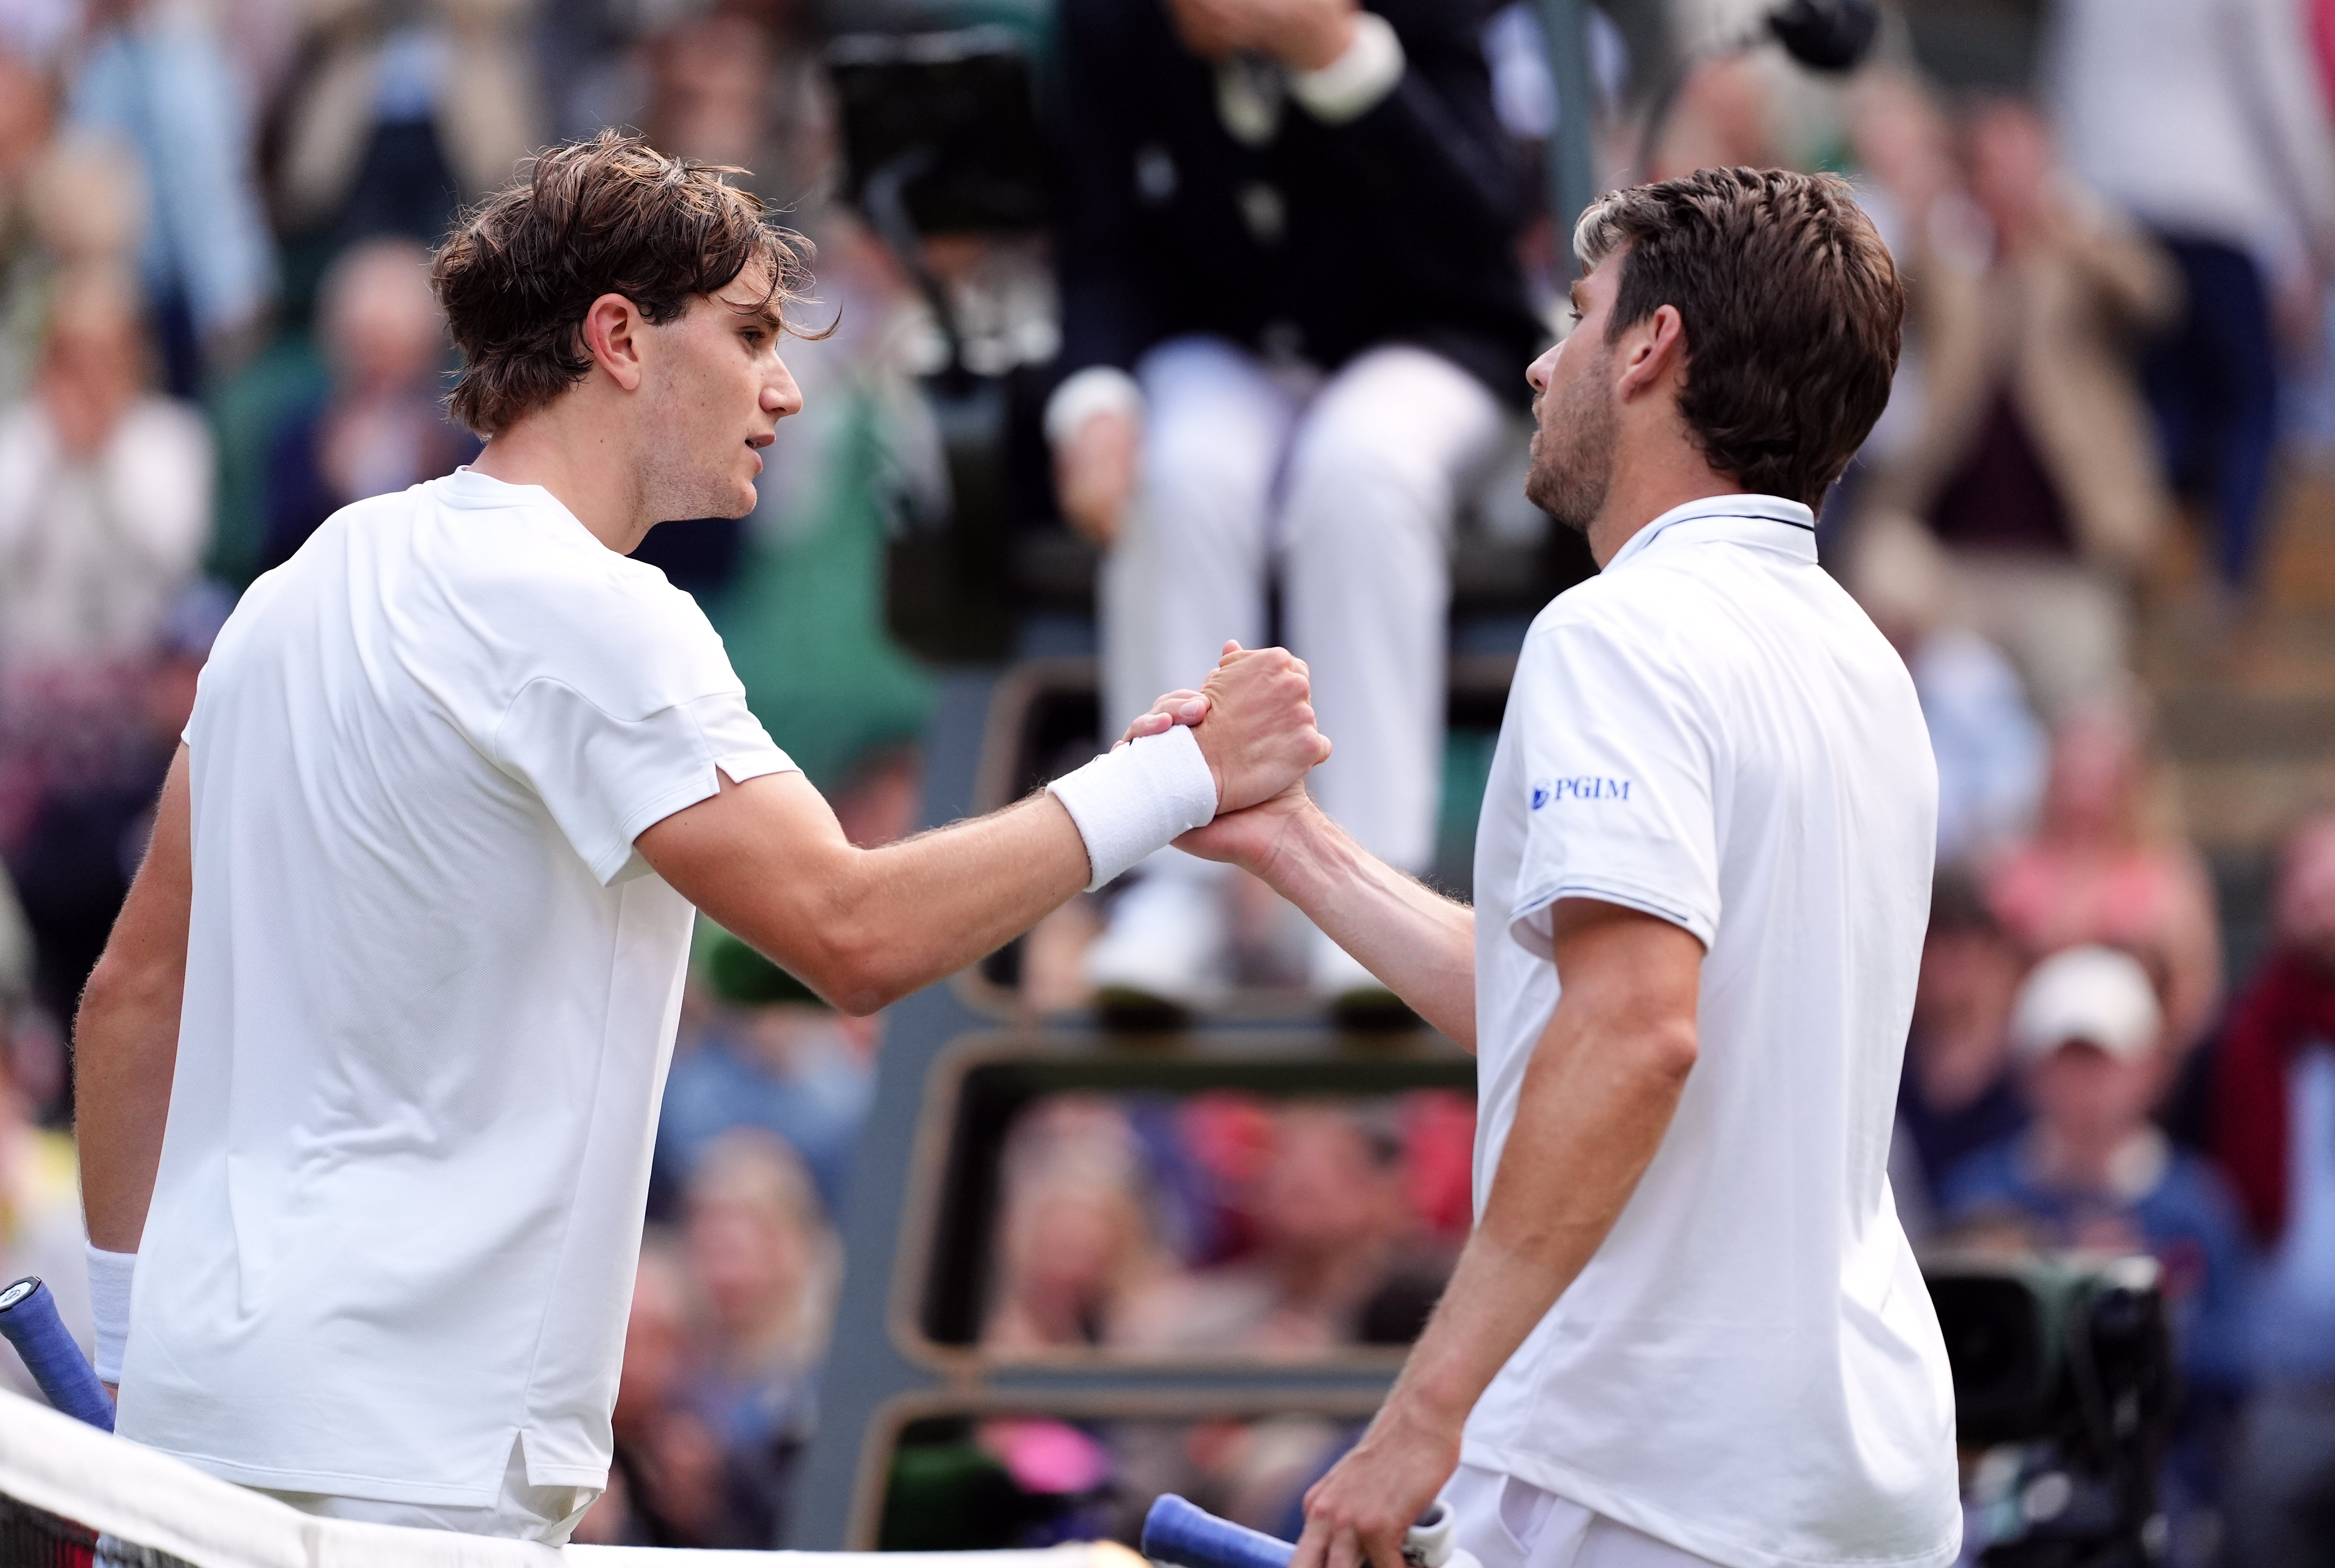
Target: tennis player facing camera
[(1687, 1328), (368, 1075)]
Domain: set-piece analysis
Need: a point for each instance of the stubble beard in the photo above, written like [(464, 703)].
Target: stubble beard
[(679, 482), (1572, 453)]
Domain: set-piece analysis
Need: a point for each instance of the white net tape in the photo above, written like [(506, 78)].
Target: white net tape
[(157, 1506)]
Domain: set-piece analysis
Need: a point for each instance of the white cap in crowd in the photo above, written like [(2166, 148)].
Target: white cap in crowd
[(2095, 995)]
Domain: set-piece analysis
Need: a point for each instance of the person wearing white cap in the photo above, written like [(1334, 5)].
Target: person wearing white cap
[(2093, 1172)]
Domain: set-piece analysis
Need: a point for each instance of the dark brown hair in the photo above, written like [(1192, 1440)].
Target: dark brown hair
[(1792, 308), (608, 214)]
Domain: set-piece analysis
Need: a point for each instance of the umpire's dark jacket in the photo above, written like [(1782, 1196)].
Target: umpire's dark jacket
[(1398, 226)]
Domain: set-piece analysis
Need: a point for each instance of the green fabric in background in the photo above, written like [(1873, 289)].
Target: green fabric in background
[(245, 410), (804, 619)]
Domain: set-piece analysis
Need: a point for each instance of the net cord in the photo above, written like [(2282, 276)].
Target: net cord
[(118, 1488)]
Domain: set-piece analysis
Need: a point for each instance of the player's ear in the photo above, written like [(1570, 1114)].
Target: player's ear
[(1652, 351), (615, 335)]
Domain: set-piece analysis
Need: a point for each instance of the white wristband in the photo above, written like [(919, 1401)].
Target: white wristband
[(109, 1308), (1137, 798)]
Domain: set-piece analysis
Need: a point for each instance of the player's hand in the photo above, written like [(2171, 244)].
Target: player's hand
[(1360, 1511), (1259, 737), (1251, 837), (1182, 706), (1094, 474), (1302, 34)]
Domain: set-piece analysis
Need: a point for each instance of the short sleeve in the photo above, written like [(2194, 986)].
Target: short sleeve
[(606, 777), (1619, 767)]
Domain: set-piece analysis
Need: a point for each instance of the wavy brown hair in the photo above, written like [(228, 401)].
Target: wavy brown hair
[(607, 215), (1792, 309)]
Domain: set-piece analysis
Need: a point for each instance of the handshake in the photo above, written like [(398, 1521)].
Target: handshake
[(1224, 790), (1254, 719)]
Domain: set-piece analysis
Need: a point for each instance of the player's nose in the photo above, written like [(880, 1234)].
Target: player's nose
[(780, 395)]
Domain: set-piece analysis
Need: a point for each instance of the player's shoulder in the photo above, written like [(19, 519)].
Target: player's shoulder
[(1647, 615)]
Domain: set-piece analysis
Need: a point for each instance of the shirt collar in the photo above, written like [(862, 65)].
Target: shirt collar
[(1767, 520)]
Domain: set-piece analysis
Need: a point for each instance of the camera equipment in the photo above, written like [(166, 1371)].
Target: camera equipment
[(940, 136), (1826, 35), (2063, 1372)]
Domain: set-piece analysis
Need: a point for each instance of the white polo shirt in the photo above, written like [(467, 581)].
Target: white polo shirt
[(1712, 733), (431, 994)]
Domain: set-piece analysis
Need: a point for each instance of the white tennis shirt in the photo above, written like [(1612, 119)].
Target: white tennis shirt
[(430, 995), (1712, 733)]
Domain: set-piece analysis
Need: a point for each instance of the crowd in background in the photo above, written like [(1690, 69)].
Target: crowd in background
[(216, 329)]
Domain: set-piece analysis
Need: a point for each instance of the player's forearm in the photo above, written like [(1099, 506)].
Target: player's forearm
[(1421, 944), (920, 910), (125, 1050), (126, 1035), (1595, 1103)]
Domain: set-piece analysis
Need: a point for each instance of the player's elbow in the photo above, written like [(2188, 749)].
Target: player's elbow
[(1666, 1049), (858, 969), (125, 984)]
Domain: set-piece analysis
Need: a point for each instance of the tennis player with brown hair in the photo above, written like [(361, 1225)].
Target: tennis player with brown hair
[(1687, 1328), (369, 1073)]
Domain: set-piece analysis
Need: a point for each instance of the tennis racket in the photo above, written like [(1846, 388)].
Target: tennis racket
[(1182, 1533), (29, 1321)]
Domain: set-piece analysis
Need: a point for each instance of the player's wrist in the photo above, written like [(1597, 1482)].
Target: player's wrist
[(110, 1277), (1137, 798)]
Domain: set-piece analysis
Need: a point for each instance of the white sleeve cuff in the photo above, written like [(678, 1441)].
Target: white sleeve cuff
[(1097, 389), (110, 1275), (1140, 798), (1350, 86)]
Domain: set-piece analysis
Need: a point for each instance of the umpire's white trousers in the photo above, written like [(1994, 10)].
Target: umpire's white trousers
[(1353, 483), (1511, 1524)]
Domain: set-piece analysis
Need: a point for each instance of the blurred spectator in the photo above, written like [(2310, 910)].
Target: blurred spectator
[(1989, 750), (87, 824), (767, 1267), (667, 1486), (1263, 363), (2094, 1173), (777, 1057), (27, 110), (155, 76), (104, 490), (40, 1189), (2106, 865), (1958, 1094), (383, 426), (2034, 467), (1072, 1243), (2200, 117), (2275, 1135), (1330, 1211), (735, 86), (399, 115)]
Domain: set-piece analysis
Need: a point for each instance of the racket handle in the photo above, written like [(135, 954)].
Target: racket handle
[(1189, 1536), (29, 1321)]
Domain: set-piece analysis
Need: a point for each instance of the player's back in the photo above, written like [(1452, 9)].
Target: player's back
[(428, 998)]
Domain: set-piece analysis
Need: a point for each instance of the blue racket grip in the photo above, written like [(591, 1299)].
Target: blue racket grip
[(1181, 1532), (28, 1318)]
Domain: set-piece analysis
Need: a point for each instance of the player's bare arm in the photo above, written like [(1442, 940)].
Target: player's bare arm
[(1598, 1096), (126, 1037), (866, 926), (1416, 942)]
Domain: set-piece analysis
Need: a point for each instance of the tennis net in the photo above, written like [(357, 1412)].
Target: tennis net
[(71, 1496)]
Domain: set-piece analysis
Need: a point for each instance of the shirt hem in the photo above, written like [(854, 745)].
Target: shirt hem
[(682, 798), (331, 1484), (1625, 1508)]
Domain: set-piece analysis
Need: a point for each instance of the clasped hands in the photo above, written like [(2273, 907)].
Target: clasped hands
[(1254, 719)]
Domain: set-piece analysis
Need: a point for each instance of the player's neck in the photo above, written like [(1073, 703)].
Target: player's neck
[(587, 467), (1646, 485)]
